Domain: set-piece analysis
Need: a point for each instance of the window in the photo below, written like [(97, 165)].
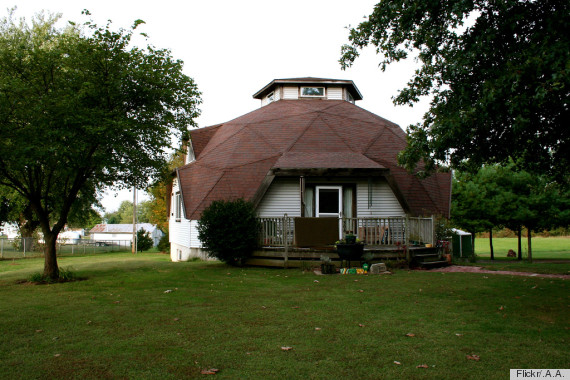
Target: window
[(328, 201), (177, 206), (349, 97), (313, 91), (270, 97)]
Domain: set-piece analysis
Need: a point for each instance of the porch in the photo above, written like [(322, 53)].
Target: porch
[(286, 241)]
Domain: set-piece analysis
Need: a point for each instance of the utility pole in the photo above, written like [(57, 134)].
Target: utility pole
[(134, 245)]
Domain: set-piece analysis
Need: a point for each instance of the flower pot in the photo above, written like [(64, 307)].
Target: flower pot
[(328, 268), (350, 252)]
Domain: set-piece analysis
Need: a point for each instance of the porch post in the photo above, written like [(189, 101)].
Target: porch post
[(302, 194), (285, 243), (433, 234)]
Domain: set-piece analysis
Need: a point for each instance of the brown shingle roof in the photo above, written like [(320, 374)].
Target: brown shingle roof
[(233, 159)]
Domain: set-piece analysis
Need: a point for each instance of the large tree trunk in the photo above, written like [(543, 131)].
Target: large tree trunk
[(51, 269), (519, 234), (529, 245), (491, 244)]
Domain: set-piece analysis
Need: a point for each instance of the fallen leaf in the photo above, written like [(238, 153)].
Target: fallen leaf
[(361, 325), (422, 366), (360, 291), (57, 355), (295, 307), (176, 319), (316, 281), (39, 331), (168, 291), (210, 371), (89, 322), (410, 335), (317, 328), (396, 362), (473, 357), (459, 334), (502, 308), (264, 307), (117, 302), (286, 348)]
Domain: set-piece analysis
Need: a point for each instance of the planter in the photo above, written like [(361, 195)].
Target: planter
[(350, 252), (328, 269)]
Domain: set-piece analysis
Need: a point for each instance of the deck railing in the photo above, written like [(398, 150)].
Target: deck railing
[(280, 232)]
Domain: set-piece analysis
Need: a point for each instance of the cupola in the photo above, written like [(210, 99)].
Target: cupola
[(308, 89)]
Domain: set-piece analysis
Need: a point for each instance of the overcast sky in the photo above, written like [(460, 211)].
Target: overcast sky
[(234, 48)]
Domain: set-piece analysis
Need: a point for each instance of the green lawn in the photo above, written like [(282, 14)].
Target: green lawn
[(542, 248), (122, 323)]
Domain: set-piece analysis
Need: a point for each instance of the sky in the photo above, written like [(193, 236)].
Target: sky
[(234, 48)]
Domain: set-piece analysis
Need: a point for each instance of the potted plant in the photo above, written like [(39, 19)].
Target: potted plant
[(349, 248), (327, 267)]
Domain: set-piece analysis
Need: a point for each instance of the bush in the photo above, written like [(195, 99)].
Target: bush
[(164, 243), (144, 241), (229, 230)]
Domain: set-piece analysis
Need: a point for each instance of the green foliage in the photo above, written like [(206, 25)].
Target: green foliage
[(501, 196), (124, 214), (164, 243), (144, 241), (229, 230), (83, 109), (497, 72)]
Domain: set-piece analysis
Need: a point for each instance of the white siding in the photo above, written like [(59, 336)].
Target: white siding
[(290, 92), (179, 231), (384, 202), (334, 93), (282, 197)]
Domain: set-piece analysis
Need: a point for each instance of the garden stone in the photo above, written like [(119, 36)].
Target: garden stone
[(377, 268)]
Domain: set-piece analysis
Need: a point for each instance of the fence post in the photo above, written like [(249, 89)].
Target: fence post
[(24, 239), (1, 248)]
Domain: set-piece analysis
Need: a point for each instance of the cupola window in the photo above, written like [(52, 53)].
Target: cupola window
[(313, 91)]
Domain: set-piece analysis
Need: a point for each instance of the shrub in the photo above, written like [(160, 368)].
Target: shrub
[(144, 241), (229, 230), (164, 243)]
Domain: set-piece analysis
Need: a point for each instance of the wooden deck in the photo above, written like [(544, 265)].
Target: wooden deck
[(296, 257)]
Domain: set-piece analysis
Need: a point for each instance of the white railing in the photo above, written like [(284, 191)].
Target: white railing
[(277, 232), (280, 232)]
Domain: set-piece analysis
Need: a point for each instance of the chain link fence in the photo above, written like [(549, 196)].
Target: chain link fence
[(32, 247)]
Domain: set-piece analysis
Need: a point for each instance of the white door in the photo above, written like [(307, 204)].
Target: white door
[(329, 203)]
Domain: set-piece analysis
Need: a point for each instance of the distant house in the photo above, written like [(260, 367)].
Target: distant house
[(308, 152), (9, 230), (122, 232)]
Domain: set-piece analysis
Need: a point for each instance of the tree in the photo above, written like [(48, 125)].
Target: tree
[(144, 241), (497, 72), (502, 196), (124, 215), (159, 191), (229, 230), (82, 109)]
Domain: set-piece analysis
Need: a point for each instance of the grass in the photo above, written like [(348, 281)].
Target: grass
[(120, 323), (542, 248)]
